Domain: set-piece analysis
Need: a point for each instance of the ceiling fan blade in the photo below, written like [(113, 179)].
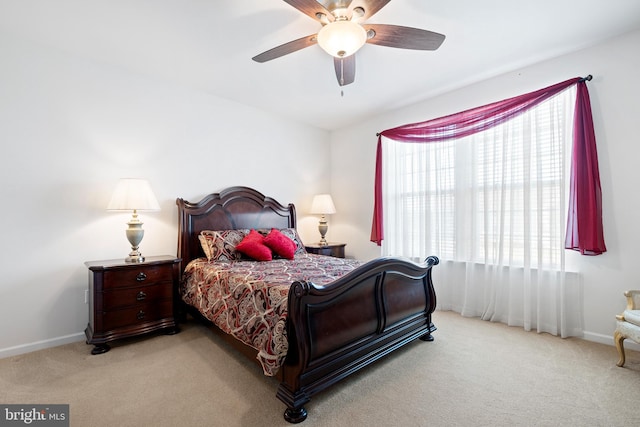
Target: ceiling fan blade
[(370, 7), (311, 8), (345, 69), (403, 37), (286, 48)]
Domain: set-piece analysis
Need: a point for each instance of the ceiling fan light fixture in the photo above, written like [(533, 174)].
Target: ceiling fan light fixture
[(342, 38)]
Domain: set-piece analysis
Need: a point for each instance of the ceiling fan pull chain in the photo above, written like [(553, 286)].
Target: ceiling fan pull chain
[(341, 76)]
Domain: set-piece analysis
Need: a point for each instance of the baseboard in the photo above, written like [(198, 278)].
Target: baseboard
[(41, 345), (608, 339)]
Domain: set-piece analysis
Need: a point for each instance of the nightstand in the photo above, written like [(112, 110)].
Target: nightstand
[(330, 249), (129, 299)]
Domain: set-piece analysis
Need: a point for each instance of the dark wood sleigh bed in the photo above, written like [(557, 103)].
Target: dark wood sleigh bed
[(387, 302)]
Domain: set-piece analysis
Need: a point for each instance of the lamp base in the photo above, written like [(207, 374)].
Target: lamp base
[(134, 257), (323, 228), (134, 235)]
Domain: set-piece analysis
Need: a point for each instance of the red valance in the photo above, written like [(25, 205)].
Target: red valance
[(584, 222)]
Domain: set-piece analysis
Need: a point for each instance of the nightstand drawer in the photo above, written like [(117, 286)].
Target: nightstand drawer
[(137, 315), (126, 277), (112, 299)]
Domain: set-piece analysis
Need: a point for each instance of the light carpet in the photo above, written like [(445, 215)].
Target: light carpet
[(475, 373)]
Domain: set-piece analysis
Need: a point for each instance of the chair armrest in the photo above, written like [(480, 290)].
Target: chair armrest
[(631, 299)]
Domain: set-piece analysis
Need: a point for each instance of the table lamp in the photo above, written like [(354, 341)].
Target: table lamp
[(323, 205), (132, 194)]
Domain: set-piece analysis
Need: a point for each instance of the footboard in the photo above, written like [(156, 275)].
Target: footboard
[(335, 330)]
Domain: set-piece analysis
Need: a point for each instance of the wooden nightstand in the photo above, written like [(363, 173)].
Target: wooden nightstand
[(331, 249), (129, 299)]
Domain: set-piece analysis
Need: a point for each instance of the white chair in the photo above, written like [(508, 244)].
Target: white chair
[(628, 323)]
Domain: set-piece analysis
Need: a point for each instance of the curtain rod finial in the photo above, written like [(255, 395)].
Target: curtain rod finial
[(588, 78)]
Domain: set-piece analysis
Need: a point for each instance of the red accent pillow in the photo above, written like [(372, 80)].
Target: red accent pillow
[(253, 246), (280, 244)]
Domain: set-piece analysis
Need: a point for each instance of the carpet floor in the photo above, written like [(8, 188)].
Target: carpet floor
[(475, 373)]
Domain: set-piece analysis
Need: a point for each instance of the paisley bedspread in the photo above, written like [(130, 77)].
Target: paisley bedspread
[(248, 299)]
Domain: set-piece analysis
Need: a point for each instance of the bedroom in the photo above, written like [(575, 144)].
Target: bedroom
[(69, 133)]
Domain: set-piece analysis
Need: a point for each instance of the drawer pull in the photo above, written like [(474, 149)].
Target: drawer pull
[(141, 277), (141, 296), (140, 315)]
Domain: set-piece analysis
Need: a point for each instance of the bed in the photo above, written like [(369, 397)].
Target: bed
[(330, 317)]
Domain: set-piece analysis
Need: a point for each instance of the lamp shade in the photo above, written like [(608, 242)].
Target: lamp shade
[(323, 204), (133, 194), (342, 38)]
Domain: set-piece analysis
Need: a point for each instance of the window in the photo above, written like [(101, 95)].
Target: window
[(497, 197)]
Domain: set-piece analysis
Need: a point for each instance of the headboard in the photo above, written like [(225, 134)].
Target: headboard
[(232, 208)]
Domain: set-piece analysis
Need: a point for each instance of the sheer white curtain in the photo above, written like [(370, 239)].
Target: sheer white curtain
[(493, 207)]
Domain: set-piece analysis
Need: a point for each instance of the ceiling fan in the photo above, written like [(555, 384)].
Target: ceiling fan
[(344, 31)]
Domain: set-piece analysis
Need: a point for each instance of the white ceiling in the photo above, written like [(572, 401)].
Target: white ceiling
[(208, 45)]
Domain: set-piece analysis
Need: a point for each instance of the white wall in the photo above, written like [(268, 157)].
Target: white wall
[(69, 128), (615, 95)]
